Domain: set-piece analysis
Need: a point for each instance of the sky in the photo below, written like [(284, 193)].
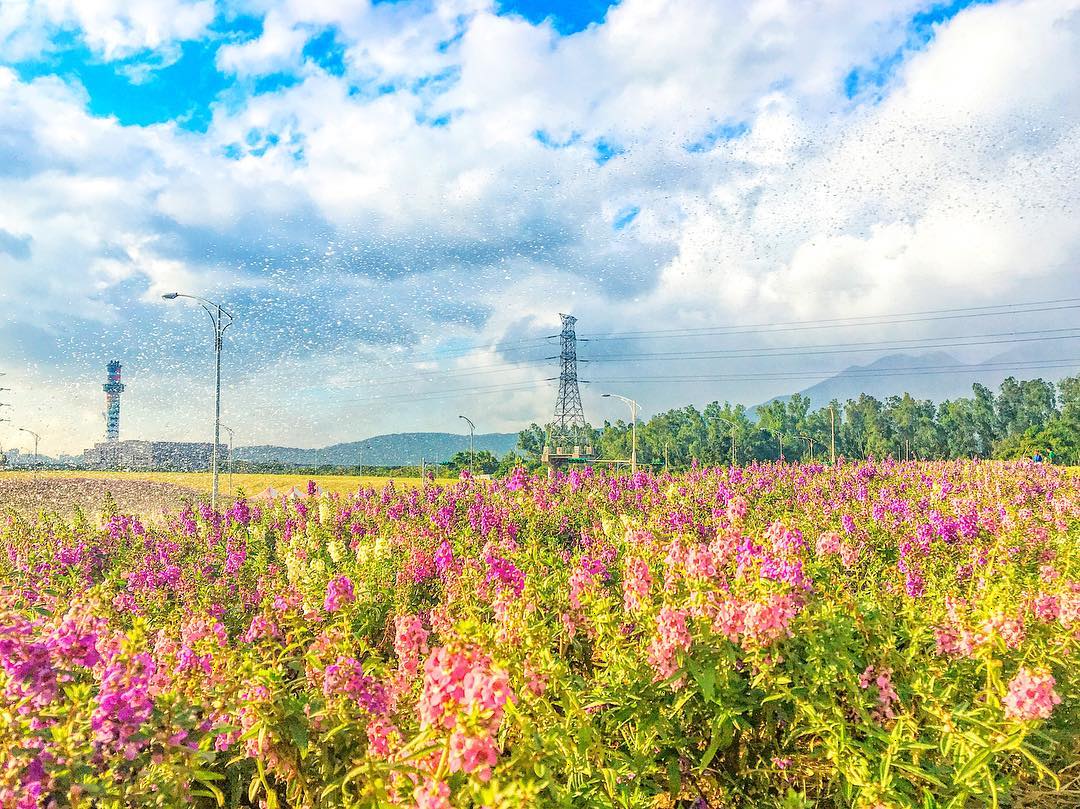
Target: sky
[(396, 200)]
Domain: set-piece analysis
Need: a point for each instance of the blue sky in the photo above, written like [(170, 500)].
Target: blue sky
[(376, 185)]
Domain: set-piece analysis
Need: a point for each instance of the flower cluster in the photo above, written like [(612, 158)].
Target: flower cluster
[(574, 639), (1031, 695), (465, 695)]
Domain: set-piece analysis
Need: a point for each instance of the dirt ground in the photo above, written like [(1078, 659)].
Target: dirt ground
[(27, 495)]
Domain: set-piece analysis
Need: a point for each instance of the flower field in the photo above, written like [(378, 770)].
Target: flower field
[(871, 635)]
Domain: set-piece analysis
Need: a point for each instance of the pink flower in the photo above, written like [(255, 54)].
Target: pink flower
[(261, 627), (345, 677), (339, 591), (886, 694), (1011, 630), (1031, 695), (463, 693), (729, 619), (432, 794), (123, 704), (473, 753), (410, 642), (737, 509), (701, 562), (637, 581), (1046, 608), (383, 736), (672, 637), (770, 621), (829, 543)]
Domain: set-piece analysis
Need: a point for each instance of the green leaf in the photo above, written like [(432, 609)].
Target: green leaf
[(674, 778), (976, 763), (298, 732), (609, 781), (706, 680)]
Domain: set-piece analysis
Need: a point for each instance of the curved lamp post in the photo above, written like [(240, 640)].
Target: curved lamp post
[(37, 438), (221, 320), (779, 437), (472, 454), (733, 426), (633, 427)]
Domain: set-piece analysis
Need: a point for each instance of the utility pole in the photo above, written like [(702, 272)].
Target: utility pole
[(472, 455), (666, 445), (810, 441), (832, 446)]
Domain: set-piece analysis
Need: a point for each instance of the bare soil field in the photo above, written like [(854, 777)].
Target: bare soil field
[(149, 499)]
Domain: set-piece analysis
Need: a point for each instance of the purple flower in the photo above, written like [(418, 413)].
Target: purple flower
[(123, 704), (339, 591), (504, 573), (444, 558)]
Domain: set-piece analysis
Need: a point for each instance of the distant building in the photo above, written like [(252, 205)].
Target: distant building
[(175, 456)]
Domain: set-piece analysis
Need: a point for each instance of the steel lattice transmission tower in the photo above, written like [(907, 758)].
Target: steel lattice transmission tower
[(569, 422)]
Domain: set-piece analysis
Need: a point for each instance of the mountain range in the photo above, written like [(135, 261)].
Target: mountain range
[(397, 449), (939, 376), (936, 375)]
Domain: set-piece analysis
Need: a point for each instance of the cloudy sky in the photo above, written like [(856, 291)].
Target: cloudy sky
[(396, 199)]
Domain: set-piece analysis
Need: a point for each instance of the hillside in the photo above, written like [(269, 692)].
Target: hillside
[(397, 449)]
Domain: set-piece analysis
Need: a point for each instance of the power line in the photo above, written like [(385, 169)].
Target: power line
[(499, 389), (868, 373), (931, 315), (853, 320), (837, 348), (734, 353), (823, 349)]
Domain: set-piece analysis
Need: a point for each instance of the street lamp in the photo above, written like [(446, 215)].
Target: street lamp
[(232, 489), (36, 439), (810, 441), (217, 315), (472, 455), (633, 427), (779, 437), (733, 426)]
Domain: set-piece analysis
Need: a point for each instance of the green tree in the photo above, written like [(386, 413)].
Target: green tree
[(531, 441), (482, 461)]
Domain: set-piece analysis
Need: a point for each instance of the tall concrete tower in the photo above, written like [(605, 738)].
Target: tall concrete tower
[(113, 387)]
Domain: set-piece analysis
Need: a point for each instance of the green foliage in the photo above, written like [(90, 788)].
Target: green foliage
[(1021, 420), (780, 636)]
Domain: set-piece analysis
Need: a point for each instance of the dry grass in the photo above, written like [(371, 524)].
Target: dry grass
[(149, 494), (27, 495), (201, 481)]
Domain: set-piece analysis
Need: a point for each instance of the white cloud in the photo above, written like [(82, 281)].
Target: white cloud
[(112, 29), (345, 216)]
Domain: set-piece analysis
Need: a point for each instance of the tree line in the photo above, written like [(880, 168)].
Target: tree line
[(1022, 419)]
